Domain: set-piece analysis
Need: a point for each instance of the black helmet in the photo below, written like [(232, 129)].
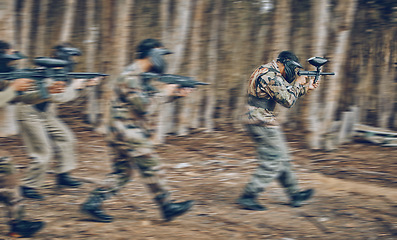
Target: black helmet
[(291, 62)]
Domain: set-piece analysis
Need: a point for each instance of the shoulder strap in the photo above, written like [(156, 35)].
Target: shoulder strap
[(261, 74)]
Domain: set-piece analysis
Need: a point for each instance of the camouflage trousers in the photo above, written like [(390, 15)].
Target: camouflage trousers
[(42, 133), (132, 149), (9, 190), (274, 161)]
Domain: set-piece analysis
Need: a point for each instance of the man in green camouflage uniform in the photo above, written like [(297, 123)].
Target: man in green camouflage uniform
[(129, 134), (272, 83)]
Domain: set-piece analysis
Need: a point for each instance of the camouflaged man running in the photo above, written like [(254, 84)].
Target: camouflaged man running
[(129, 134), (272, 83)]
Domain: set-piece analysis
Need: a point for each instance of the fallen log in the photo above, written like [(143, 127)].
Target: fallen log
[(380, 136)]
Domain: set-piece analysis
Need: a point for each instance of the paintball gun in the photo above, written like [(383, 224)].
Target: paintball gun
[(317, 62), (182, 81), (50, 68)]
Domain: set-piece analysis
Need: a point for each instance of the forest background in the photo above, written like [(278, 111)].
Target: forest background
[(206, 157), (221, 42)]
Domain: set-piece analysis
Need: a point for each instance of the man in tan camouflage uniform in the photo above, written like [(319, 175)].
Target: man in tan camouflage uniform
[(272, 83), (9, 187), (10, 196), (129, 134), (43, 132)]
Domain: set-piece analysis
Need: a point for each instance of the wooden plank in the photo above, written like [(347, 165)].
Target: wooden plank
[(376, 135), (374, 130)]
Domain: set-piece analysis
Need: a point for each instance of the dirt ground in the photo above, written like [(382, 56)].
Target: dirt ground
[(356, 192)]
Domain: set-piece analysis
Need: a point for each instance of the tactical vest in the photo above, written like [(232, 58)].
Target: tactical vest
[(268, 104)]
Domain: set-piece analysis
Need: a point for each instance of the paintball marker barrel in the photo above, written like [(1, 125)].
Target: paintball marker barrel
[(313, 73), (182, 81), (85, 75)]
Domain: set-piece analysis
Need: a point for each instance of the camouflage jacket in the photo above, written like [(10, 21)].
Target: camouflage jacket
[(266, 87), (9, 95), (133, 103)]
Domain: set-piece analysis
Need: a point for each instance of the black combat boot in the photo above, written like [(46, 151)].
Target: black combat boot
[(64, 180), (171, 210), (23, 228), (299, 197), (29, 192), (92, 208), (248, 201)]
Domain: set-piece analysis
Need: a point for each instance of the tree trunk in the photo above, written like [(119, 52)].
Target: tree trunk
[(91, 42), (182, 28), (281, 42), (165, 121), (366, 73), (244, 57), (8, 126), (313, 111), (122, 33), (191, 110), (228, 41), (340, 53), (41, 29), (165, 21), (25, 32), (166, 38), (68, 20), (7, 21), (120, 42), (394, 76), (386, 90), (212, 66), (107, 54)]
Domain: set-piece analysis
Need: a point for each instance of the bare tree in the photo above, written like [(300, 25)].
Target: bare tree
[(386, 90), (190, 116), (8, 125), (347, 10), (226, 35), (366, 74), (282, 27), (212, 66), (107, 53), (41, 31), (165, 21), (91, 43), (179, 38), (313, 113), (394, 75), (68, 21), (122, 32), (7, 20), (243, 58), (25, 39), (120, 43)]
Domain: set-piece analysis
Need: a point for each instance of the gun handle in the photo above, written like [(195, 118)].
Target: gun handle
[(42, 89), (316, 79)]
